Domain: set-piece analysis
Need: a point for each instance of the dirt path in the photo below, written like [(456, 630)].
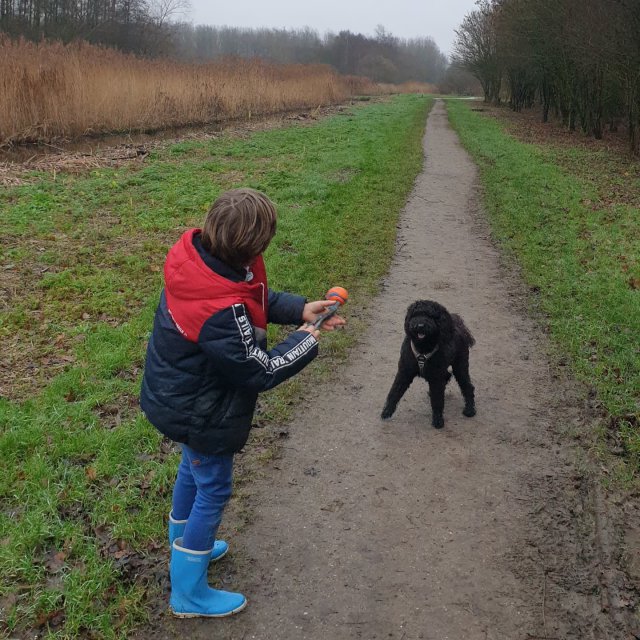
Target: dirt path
[(481, 531)]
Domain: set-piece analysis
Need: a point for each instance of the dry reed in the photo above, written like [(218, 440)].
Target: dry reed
[(50, 91), (408, 87)]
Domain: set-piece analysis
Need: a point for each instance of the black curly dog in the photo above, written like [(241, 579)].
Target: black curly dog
[(434, 341)]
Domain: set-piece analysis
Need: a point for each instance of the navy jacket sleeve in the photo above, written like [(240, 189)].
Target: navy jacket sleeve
[(228, 338), (285, 308)]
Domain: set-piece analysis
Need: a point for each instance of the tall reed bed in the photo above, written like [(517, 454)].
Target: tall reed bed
[(51, 90), (414, 87)]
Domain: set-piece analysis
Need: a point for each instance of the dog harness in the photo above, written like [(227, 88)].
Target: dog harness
[(422, 357)]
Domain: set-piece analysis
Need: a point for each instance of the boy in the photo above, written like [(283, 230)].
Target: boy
[(206, 363)]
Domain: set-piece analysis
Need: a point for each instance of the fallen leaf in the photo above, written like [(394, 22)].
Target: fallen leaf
[(51, 618), (55, 562)]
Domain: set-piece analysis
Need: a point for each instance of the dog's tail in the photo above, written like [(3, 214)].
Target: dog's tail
[(463, 331)]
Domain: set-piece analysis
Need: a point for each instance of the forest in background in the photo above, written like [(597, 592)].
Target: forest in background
[(382, 58), (578, 59), (148, 28)]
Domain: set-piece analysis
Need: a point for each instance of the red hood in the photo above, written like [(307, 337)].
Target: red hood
[(194, 292)]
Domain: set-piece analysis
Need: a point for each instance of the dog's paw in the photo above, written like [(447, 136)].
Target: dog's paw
[(469, 411), (387, 412), (437, 421)]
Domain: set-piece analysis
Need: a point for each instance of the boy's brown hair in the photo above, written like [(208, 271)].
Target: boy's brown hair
[(239, 226)]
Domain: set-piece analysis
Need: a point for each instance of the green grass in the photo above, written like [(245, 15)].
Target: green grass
[(579, 248), (85, 481)]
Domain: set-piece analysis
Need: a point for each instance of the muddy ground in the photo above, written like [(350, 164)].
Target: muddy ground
[(494, 528), (17, 163)]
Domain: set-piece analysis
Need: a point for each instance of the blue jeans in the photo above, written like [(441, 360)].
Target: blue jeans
[(202, 489)]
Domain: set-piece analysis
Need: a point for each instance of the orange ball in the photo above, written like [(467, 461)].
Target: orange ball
[(337, 293)]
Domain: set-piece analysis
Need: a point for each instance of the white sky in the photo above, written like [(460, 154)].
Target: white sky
[(403, 18)]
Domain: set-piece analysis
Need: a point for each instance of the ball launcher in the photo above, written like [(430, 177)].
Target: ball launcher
[(340, 296)]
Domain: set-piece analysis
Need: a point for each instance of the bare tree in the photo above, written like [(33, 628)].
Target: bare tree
[(164, 11), (476, 49), (577, 58)]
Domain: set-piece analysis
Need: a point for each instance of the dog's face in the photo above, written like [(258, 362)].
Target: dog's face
[(427, 324)]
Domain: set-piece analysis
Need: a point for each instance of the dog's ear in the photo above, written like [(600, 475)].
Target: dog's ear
[(445, 325), (410, 311)]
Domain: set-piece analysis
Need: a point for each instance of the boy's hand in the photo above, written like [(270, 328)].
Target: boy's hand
[(309, 328), (314, 309)]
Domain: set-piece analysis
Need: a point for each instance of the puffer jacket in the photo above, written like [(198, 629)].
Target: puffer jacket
[(206, 358)]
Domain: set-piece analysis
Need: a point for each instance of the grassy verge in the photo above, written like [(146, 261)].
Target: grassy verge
[(570, 218), (85, 482)]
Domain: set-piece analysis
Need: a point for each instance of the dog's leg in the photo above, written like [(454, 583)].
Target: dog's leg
[(436, 394), (461, 374), (401, 383)]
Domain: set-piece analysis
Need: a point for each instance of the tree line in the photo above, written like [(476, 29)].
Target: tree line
[(148, 27), (382, 57), (135, 26), (577, 59)]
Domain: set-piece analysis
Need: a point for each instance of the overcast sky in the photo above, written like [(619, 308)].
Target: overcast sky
[(403, 18)]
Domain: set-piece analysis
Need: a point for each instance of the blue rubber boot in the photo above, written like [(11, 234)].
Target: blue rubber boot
[(191, 595), (176, 529)]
